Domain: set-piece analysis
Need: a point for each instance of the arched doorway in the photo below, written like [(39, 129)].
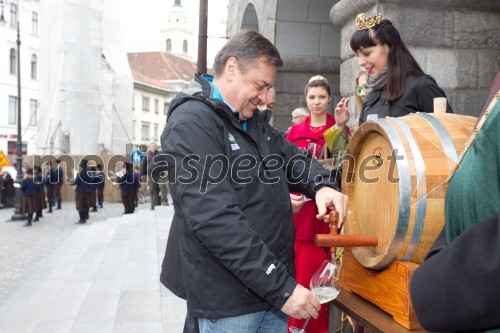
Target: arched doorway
[(250, 20)]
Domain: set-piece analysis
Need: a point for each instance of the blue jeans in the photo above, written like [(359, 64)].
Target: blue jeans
[(271, 321)]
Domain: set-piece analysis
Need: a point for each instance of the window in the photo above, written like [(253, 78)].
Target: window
[(185, 47), (33, 108), (12, 110), (157, 107), (133, 129), (34, 23), (13, 15), (13, 62), (145, 132), (165, 108), (33, 66), (133, 102), (169, 46), (145, 103), (155, 138)]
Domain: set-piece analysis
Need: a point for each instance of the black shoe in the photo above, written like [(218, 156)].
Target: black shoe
[(58, 208), (27, 224), (50, 211), (36, 219), (81, 222), (94, 209), (152, 207)]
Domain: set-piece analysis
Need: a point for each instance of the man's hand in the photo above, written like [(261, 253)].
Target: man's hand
[(297, 202), (302, 304), (327, 197)]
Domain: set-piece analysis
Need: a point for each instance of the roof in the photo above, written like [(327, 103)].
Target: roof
[(158, 68)]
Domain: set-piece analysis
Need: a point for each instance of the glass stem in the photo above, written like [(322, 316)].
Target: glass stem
[(303, 329)]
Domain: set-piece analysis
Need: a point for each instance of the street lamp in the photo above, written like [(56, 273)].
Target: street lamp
[(2, 18), (19, 144)]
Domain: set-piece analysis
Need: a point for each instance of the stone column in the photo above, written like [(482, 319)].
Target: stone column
[(457, 42)]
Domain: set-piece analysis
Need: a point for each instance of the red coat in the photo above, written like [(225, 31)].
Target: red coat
[(306, 224)]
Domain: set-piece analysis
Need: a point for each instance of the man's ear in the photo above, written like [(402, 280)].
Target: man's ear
[(231, 68)]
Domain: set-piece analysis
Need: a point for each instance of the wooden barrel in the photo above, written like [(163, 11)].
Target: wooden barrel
[(395, 175)]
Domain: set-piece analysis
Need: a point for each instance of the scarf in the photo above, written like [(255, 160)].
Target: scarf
[(378, 81)]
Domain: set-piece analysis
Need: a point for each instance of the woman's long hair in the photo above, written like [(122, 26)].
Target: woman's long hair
[(400, 62)]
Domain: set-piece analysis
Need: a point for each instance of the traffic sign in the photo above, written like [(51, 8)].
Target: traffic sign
[(4, 161)]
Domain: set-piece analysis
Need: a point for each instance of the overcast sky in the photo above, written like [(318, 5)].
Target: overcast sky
[(142, 22)]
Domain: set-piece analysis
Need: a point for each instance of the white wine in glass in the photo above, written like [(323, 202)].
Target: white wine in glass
[(324, 285)]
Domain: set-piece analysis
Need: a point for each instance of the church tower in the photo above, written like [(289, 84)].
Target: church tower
[(178, 32)]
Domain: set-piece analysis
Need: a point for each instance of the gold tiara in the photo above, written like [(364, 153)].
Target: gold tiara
[(363, 24)]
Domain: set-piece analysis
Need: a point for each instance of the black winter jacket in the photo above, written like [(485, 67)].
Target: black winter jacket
[(418, 96), (232, 235)]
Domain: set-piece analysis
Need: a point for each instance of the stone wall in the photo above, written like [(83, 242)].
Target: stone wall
[(457, 42)]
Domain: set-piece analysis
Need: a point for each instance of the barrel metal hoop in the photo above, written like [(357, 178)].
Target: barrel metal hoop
[(421, 186), (404, 186), (444, 136)]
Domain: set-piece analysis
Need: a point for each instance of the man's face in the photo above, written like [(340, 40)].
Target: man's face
[(297, 119), (245, 91), (153, 147)]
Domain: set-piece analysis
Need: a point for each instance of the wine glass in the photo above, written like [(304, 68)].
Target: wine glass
[(312, 149), (324, 285)]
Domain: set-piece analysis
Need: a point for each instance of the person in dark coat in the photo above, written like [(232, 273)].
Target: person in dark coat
[(50, 184), (8, 191), (82, 182), (153, 167), (94, 175), (398, 84), (128, 188), (29, 190), (137, 184), (59, 172), (235, 239), (41, 204), (100, 185)]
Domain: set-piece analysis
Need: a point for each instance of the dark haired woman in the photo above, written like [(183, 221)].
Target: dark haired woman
[(399, 86)]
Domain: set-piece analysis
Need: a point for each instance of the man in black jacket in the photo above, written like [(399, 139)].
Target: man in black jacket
[(230, 248), (154, 168)]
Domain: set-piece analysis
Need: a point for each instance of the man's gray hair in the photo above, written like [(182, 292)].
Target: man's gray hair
[(247, 46), (300, 112)]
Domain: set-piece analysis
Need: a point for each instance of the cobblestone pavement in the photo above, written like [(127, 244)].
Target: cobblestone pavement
[(22, 249)]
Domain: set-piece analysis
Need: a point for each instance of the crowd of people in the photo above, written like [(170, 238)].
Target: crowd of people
[(41, 188)]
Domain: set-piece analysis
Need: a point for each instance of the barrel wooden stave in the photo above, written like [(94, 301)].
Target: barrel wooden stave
[(404, 209)]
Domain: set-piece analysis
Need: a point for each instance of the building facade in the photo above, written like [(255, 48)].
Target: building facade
[(178, 32), (454, 41), (158, 77), (24, 14)]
